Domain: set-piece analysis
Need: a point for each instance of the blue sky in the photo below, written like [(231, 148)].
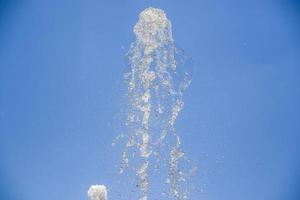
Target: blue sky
[(62, 94)]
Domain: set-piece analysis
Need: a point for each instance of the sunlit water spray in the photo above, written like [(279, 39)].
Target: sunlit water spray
[(155, 89)]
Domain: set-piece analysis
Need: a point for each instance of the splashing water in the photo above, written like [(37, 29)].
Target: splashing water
[(152, 149)]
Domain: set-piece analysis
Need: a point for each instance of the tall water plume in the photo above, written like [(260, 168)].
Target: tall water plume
[(155, 92)]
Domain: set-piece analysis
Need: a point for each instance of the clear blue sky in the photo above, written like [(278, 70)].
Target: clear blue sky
[(61, 94)]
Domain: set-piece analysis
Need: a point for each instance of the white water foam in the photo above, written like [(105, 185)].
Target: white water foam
[(97, 192)]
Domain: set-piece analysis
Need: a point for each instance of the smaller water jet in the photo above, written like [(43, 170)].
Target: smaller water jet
[(97, 192)]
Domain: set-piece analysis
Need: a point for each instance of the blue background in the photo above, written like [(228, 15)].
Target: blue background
[(62, 94)]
